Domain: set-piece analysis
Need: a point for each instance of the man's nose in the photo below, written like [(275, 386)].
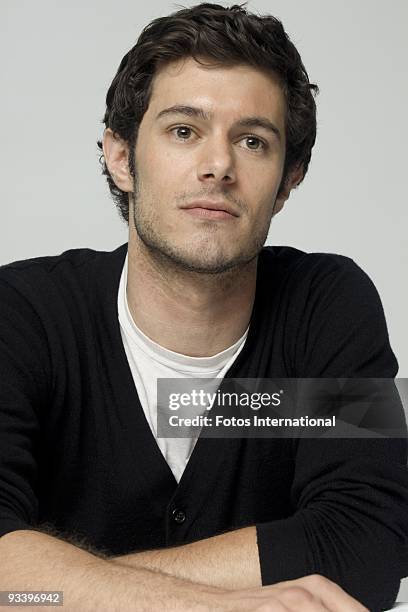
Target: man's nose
[(216, 161)]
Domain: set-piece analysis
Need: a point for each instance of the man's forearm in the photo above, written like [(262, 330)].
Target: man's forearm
[(229, 560), (35, 561), (30, 560)]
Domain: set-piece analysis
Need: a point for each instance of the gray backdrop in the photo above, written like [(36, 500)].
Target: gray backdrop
[(58, 59)]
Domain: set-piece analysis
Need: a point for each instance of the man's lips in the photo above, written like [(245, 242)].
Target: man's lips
[(211, 210)]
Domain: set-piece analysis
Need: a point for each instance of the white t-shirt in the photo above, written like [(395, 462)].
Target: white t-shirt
[(149, 361)]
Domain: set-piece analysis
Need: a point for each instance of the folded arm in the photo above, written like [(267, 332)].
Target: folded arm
[(350, 526), (30, 560), (229, 560)]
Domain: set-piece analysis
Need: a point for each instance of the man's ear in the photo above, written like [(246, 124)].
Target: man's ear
[(116, 154), (294, 177)]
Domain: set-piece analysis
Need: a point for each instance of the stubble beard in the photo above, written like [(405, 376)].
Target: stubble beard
[(204, 258)]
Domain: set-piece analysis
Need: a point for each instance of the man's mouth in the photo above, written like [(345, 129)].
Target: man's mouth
[(207, 209)]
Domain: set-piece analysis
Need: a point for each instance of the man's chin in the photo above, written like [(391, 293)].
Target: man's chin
[(208, 264), (202, 260), (206, 268)]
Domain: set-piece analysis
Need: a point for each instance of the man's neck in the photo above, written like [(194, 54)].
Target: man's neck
[(187, 312)]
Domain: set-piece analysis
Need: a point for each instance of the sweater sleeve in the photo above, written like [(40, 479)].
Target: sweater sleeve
[(349, 496), (22, 379)]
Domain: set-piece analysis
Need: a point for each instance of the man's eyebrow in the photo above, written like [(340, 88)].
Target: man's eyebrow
[(181, 109), (193, 111), (261, 122)]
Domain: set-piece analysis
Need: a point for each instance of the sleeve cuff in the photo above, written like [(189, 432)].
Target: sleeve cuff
[(283, 551)]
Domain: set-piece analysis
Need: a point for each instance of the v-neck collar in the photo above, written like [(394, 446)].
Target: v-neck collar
[(151, 467)]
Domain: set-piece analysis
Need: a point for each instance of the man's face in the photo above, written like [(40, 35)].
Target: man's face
[(224, 148)]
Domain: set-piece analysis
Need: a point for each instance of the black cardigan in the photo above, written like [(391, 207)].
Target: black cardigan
[(77, 454)]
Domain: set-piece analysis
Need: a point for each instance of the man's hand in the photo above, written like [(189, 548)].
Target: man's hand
[(312, 593)]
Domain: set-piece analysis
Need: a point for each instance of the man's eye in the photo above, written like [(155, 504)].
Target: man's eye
[(182, 131), (253, 140)]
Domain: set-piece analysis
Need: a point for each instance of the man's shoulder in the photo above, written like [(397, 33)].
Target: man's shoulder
[(307, 263), (64, 282), (48, 262), (79, 262), (316, 276), (72, 257)]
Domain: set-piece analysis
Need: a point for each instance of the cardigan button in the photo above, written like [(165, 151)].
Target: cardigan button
[(179, 516)]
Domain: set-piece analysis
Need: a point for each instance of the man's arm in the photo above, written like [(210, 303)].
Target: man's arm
[(31, 560), (346, 529), (229, 560)]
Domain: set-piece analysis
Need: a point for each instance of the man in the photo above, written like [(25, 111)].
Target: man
[(210, 123)]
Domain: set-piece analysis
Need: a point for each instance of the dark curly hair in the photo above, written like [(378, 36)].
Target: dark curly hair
[(224, 36)]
